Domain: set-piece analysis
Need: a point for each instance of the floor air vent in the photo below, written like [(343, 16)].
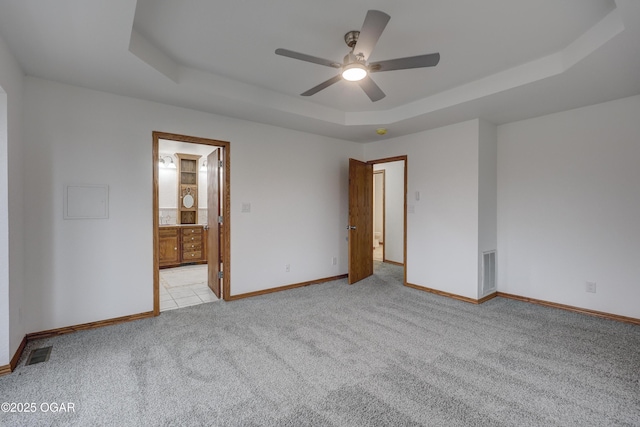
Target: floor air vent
[(39, 355), (488, 272)]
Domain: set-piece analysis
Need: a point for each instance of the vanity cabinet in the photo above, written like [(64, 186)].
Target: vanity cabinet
[(180, 244), (169, 246)]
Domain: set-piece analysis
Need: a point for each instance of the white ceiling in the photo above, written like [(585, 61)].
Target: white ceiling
[(501, 60)]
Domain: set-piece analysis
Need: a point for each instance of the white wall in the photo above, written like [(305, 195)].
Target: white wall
[(394, 210), (569, 207), (202, 197), (378, 204), (12, 326), (487, 196), (4, 235), (296, 184), (442, 230), (167, 190)]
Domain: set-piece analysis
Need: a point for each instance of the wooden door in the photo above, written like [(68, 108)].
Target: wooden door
[(360, 220), (213, 212)]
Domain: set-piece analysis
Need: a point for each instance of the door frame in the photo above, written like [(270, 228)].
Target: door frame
[(403, 158), (226, 209)]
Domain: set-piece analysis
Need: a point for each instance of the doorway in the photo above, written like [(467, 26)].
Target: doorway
[(388, 233), (192, 236)]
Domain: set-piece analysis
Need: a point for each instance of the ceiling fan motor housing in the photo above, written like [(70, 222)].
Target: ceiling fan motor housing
[(351, 38), (351, 58)]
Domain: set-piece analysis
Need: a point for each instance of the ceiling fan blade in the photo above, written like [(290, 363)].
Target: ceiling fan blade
[(372, 28), (429, 60), (371, 89), (322, 85), (308, 58)]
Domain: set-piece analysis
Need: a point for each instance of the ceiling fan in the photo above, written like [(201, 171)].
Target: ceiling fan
[(355, 66)]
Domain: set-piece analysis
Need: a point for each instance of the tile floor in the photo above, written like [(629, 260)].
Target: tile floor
[(377, 253), (184, 286)]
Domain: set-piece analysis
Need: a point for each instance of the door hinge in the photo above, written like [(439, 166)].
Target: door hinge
[(220, 274), (220, 219), (220, 163)]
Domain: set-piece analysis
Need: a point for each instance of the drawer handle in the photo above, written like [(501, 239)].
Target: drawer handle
[(175, 249)]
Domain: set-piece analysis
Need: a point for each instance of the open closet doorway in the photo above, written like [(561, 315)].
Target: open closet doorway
[(191, 220)]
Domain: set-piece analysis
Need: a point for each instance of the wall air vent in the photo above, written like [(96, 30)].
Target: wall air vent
[(488, 272)]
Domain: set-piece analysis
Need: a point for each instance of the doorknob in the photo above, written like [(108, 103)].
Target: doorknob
[(351, 227)]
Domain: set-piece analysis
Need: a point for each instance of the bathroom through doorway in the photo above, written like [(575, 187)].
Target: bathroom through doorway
[(191, 220)]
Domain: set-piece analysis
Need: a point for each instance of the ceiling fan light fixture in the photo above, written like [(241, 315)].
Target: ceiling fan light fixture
[(354, 72), (355, 67)]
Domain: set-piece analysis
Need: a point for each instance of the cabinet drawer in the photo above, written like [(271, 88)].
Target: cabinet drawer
[(192, 231), (195, 255), (191, 246), (168, 231), (194, 238)]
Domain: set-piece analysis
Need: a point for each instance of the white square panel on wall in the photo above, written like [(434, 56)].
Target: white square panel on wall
[(86, 201)]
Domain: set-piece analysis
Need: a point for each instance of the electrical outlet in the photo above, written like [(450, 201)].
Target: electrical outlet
[(287, 268), (591, 287), (334, 261)]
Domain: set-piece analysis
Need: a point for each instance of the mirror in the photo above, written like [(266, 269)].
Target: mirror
[(187, 201)]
